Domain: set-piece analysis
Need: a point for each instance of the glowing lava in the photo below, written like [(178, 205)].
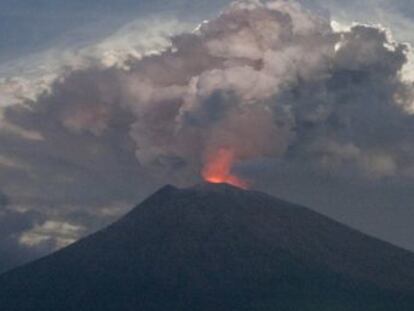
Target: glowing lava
[(218, 169)]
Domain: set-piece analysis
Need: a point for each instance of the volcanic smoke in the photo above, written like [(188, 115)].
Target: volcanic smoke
[(218, 169)]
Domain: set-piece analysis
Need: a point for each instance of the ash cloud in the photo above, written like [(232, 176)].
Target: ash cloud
[(267, 80), (272, 81)]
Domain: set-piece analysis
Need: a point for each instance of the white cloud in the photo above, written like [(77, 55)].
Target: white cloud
[(59, 232), (29, 76)]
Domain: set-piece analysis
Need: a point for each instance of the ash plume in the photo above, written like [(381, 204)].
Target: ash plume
[(266, 80)]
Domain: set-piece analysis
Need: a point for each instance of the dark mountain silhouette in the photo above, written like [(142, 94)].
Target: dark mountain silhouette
[(216, 247)]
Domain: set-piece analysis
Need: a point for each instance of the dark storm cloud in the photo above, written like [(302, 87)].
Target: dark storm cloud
[(354, 116), (272, 82)]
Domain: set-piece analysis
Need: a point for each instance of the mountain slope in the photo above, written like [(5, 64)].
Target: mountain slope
[(216, 247)]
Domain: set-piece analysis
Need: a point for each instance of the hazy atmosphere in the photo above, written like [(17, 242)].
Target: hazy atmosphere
[(104, 102)]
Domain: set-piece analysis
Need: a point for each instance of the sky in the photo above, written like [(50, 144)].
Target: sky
[(103, 102)]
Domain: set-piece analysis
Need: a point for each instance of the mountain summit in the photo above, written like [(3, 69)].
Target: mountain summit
[(217, 247)]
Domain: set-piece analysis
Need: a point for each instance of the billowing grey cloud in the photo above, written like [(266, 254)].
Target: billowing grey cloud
[(301, 107)]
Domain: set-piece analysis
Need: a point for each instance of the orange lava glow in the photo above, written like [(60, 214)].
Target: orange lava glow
[(218, 169)]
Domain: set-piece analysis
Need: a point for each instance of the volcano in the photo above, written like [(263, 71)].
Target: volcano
[(217, 247)]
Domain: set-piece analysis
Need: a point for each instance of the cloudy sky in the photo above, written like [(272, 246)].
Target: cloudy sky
[(104, 102)]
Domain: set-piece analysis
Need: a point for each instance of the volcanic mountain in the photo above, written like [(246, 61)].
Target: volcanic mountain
[(217, 247)]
